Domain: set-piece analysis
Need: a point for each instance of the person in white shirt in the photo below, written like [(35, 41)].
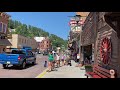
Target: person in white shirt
[(58, 59)]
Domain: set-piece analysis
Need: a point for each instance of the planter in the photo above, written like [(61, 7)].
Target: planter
[(88, 68)]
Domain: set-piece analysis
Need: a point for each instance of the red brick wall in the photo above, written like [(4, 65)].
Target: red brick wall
[(4, 18), (45, 44)]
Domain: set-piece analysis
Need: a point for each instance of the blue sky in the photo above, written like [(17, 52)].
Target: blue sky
[(52, 22)]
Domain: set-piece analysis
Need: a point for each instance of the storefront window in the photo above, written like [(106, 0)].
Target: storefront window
[(0, 26)]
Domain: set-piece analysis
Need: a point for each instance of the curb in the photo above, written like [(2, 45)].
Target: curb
[(42, 74)]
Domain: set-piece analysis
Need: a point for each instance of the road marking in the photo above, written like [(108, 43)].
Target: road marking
[(42, 74)]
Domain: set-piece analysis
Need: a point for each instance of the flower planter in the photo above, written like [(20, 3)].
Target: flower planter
[(88, 68)]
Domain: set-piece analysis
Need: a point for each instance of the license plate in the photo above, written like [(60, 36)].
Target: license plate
[(8, 62)]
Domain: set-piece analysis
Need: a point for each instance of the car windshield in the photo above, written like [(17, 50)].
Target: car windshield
[(17, 52)]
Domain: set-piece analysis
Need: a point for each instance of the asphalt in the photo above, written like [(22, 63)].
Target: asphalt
[(66, 72)]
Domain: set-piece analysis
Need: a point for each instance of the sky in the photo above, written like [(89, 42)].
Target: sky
[(52, 22)]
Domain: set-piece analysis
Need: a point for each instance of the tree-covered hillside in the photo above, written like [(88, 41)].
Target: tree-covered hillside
[(31, 32)]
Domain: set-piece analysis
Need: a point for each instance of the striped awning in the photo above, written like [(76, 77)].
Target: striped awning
[(5, 42)]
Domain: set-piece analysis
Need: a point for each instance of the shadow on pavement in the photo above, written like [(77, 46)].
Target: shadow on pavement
[(18, 68)]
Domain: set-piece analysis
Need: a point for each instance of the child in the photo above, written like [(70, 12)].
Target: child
[(45, 64)]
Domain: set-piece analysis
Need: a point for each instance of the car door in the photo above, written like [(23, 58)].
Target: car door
[(28, 57), (32, 56)]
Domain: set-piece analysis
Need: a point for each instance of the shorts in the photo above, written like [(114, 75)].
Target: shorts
[(62, 59), (50, 61), (53, 61)]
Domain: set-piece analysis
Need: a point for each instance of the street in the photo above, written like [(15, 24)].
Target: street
[(31, 71)]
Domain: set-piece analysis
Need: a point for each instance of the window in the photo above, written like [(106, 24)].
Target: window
[(17, 52), (4, 28), (19, 40), (0, 26), (25, 41), (29, 53)]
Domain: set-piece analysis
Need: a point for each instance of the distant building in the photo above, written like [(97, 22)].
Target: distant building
[(19, 41), (39, 39), (4, 18), (45, 44)]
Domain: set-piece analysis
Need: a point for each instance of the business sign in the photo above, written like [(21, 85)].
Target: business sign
[(74, 23)]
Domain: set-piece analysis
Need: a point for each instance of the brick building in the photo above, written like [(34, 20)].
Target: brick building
[(4, 18), (45, 44), (101, 39)]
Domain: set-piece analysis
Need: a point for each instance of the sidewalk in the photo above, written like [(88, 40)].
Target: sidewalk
[(66, 72)]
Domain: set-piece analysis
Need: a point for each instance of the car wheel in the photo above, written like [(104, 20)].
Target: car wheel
[(23, 65), (5, 66), (33, 63)]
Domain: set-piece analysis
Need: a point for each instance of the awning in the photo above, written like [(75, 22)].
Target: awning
[(5, 42)]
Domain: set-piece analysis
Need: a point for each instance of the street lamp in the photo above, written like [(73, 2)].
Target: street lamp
[(77, 18)]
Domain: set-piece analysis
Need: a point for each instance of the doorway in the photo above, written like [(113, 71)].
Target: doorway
[(87, 54)]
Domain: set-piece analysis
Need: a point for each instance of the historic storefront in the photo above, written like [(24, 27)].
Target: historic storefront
[(88, 37), (102, 31)]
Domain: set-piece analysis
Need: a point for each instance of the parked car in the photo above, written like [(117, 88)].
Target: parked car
[(45, 53), (18, 58)]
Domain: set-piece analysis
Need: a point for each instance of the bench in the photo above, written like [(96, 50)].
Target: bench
[(99, 72)]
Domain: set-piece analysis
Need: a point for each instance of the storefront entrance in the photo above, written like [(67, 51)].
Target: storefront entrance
[(87, 54)]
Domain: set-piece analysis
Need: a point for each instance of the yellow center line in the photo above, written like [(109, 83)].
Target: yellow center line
[(42, 74)]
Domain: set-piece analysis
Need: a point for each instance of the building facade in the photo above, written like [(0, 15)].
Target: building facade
[(45, 44), (101, 39), (88, 37), (19, 41), (75, 34), (39, 40), (4, 19)]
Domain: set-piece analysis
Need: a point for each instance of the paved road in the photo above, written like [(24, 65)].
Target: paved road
[(30, 72)]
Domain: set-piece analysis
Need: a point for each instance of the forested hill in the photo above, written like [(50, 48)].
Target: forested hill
[(31, 31)]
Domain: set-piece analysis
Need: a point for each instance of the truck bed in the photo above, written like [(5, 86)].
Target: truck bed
[(10, 58)]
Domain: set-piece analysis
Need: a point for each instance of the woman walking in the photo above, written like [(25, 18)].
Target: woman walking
[(62, 59), (50, 59), (58, 59)]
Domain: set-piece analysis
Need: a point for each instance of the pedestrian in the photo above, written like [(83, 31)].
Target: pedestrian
[(62, 59), (58, 59), (50, 59), (45, 64), (78, 58), (86, 60)]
